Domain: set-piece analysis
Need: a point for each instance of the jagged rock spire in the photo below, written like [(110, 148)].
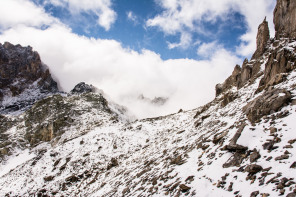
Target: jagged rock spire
[(262, 38), (285, 19)]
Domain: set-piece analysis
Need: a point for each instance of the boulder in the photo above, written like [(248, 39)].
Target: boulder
[(235, 148), (291, 194), (266, 104), (254, 156), (254, 194), (253, 168), (293, 165), (184, 188)]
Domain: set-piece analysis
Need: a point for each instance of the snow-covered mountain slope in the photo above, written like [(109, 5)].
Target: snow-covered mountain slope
[(240, 144), (214, 150)]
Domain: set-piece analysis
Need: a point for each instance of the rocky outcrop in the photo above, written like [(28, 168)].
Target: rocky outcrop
[(49, 117), (262, 38), (279, 63), (285, 19), (82, 87), (233, 80), (280, 60), (21, 70), (240, 76), (268, 103)]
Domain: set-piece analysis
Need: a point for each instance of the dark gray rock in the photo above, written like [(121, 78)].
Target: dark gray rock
[(278, 65), (21, 71), (254, 194), (282, 157), (82, 87), (184, 188), (253, 168), (254, 156), (235, 148), (235, 160), (268, 145), (291, 194), (268, 103), (293, 165)]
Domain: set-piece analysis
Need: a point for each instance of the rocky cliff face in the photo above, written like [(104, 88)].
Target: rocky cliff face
[(22, 76), (285, 19)]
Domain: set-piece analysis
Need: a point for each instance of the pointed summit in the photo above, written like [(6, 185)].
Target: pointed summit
[(262, 38)]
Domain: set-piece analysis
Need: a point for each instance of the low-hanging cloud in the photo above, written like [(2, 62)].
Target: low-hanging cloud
[(121, 73)]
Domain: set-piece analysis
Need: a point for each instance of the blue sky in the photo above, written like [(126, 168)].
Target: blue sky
[(131, 30), (178, 49)]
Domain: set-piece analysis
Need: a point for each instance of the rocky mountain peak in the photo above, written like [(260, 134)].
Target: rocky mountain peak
[(285, 19), (82, 87), (22, 73), (158, 101), (279, 60), (262, 38)]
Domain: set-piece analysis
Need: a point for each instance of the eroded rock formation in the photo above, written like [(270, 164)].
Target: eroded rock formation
[(262, 38), (285, 19)]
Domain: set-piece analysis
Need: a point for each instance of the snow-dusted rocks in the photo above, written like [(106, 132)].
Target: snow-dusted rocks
[(24, 79), (268, 103), (82, 87)]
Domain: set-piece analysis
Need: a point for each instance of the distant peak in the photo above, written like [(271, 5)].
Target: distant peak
[(82, 87)]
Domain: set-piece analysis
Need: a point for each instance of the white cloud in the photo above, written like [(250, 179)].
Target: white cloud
[(101, 8), (185, 41), (125, 74), (22, 12), (181, 16), (207, 50)]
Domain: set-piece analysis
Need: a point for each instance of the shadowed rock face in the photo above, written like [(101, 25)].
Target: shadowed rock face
[(21, 70), (285, 19), (20, 67), (83, 88)]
